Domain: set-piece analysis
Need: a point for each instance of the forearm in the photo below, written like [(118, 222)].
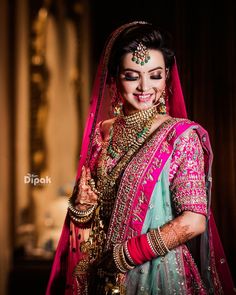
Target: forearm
[(159, 241), (181, 229)]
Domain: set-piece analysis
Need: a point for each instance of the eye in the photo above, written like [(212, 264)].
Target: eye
[(156, 77), (130, 78)]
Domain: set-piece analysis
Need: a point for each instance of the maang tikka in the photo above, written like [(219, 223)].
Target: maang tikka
[(141, 54)]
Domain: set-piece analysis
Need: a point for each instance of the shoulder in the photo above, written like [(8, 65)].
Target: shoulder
[(189, 141), (190, 135), (191, 127), (105, 127)]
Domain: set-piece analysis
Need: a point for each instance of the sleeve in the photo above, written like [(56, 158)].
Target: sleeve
[(187, 177)]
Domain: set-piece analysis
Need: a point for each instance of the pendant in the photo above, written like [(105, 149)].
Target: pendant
[(81, 268), (86, 246)]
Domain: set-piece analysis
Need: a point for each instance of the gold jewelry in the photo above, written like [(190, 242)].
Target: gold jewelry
[(84, 219), (80, 216), (161, 240), (162, 103), (141, 54), (92, 184), (94, 246), (106, 181), (154, 245), (157, 243), (126, 251), (128, 129), (119, 258), (118, 109)]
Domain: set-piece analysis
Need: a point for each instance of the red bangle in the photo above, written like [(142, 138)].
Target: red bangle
[(139, 249)]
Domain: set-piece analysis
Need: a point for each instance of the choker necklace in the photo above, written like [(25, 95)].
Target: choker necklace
[(127, 130)]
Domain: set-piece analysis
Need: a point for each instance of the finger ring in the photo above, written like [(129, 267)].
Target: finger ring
[(91, 182)]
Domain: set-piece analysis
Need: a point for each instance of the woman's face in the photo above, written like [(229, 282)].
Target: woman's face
[(140, 86)]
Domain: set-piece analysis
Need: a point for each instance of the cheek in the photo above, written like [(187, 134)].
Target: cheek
[(126, 87), (160, 85)]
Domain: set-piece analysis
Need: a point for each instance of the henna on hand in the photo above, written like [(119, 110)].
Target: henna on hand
[(176, 232), (86, 196)]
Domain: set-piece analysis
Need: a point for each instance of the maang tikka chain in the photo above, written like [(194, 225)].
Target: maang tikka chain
[(141, 54)]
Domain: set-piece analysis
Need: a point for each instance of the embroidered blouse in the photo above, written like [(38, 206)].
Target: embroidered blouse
[(186, 175), (187, 178)]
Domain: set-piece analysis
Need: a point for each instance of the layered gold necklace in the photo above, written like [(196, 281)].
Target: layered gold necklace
[(127, 130), (127, 134)]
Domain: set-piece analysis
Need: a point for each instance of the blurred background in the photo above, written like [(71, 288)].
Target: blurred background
[(49, 51)]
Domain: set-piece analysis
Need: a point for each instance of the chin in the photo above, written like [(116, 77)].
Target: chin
[(130, 109), (144, 106)]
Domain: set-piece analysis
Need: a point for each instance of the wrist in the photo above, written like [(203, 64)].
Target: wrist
[(120, 259), (79, 215)]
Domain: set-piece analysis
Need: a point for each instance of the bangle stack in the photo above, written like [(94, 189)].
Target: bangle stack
[(120, 260), (80, 216), (127, 254), (156, 242)]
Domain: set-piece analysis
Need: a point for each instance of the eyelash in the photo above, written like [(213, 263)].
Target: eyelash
[(127, 78), (155, 77)]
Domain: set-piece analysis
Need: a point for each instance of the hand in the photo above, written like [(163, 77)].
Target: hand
[(86, 197)]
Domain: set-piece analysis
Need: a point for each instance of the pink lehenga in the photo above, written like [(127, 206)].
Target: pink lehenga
[(168, 174)]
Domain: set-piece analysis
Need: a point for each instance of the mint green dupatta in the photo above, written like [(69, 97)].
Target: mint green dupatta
[(144, 202)]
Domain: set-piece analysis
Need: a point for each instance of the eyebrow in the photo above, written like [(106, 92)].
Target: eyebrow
[(132, 70)]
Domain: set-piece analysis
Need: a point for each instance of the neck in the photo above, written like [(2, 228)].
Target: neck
[(137, 113), (129, 111)]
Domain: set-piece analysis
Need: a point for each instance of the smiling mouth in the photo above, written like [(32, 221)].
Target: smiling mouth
[(143, 97)]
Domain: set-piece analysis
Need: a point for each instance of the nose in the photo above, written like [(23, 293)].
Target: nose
[(143, 85)]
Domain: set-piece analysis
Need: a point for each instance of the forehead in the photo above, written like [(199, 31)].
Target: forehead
[(156, 60)]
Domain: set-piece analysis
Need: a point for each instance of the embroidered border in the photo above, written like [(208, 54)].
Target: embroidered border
[(139, 179)]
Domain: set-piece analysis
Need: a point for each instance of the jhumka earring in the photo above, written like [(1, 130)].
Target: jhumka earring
[(162, 103), (141, 54), (118, 109), (116, 103)]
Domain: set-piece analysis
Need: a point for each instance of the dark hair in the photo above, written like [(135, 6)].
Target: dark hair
[(128, 41)]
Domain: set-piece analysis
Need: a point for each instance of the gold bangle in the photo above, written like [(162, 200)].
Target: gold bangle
[(126, 251), (80, 213), (152, 244), (120, 259), (158, 249), (117, 259), (161, 240), (126, 265), (82, 219)]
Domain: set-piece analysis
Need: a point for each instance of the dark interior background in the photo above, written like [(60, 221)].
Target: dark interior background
[(203, 37)]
